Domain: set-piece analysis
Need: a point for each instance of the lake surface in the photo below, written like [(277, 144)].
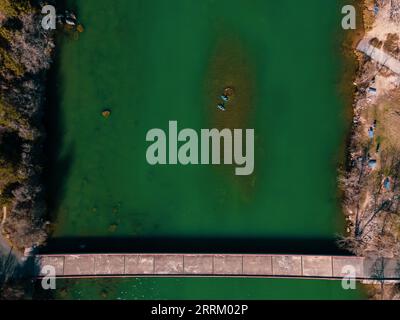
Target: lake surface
[(152, 62)]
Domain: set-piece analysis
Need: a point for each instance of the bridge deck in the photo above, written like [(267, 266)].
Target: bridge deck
[(211, 265)]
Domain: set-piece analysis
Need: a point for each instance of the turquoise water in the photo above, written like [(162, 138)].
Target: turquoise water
[(152, 62)]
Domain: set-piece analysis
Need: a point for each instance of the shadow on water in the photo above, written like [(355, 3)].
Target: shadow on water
[(56, 167), (65, 245)]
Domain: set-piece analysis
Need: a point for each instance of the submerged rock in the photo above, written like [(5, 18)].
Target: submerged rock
[(113, 227), (80, 28), (228, 92), (106, 113)]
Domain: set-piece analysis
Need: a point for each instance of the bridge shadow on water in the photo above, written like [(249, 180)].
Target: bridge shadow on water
[(75, 245)]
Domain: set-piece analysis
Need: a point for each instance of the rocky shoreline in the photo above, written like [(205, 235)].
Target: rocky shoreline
[(371, 180)]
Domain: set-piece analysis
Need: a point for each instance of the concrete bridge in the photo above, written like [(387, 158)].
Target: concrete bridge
[(217, 265)]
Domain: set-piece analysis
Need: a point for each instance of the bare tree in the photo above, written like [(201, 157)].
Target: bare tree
[(10, 285)]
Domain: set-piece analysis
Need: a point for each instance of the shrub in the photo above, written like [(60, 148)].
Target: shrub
[(8, 174), (6, 34), (10, 64), (30, 46), (11, 119), (12, 8)]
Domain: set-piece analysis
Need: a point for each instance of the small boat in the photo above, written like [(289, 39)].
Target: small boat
[(220, 106), (225, 98), (70, 22)]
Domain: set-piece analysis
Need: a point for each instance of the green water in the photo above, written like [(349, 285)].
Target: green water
[(203, 289), (154, 61)]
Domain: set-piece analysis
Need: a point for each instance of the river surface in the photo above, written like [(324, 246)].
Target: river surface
[(150, 62)]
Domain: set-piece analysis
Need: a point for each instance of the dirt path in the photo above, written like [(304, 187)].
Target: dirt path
[(5, 247)]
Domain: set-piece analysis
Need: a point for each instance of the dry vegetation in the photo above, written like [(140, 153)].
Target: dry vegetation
[(25, 55), (372, 193)]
